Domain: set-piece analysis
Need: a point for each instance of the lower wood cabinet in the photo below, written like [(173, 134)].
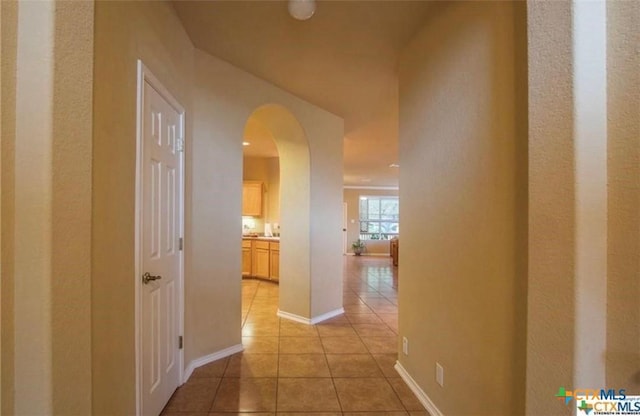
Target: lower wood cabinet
[(261, 258), (246, 262), (274, 263)]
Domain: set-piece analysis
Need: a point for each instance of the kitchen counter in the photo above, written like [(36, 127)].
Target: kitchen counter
[(260, 238)]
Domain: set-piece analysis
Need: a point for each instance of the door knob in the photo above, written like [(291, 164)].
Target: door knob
[(148, 277)]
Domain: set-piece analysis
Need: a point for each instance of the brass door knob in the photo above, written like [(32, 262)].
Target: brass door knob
[(148, 277)]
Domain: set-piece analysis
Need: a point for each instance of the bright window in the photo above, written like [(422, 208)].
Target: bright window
[(379, 217)]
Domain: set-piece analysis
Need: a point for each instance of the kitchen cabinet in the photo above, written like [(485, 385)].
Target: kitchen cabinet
[(274, 261), (260, 260), (246, 257), (252, 199)]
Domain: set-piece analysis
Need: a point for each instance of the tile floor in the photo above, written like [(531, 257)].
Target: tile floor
[(339, 367)]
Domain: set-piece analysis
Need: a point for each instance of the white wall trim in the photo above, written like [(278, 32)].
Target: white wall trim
[(294, 317), (327, 315), (312, 321), (374, 188), (420, 394), (199, 362)]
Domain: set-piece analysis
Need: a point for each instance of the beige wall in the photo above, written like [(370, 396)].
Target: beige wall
[(267, 171), (352, 199), (124, 32), (8, 49), (462, 190), (46, 165), (623, 286), (551, 303), (576, 336), (308, 259)]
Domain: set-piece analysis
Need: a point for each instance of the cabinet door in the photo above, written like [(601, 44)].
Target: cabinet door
[(252, 199), (246, 261), (275, 265), (261, 263)]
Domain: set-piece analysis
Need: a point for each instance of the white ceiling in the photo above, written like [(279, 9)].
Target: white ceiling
[(343, 59)]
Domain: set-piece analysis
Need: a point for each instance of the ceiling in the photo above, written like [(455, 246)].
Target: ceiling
[(343, 59)]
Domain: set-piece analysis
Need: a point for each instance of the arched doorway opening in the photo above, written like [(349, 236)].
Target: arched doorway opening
[(288, 217)]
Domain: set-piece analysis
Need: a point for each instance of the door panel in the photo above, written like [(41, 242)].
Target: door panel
[(161, 259)]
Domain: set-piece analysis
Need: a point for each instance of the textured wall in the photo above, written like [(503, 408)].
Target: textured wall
[(124, 33), (8, 49), (71, 208), (462, 200), (551, 208), (623, 289), (225, 100), (47, 178)]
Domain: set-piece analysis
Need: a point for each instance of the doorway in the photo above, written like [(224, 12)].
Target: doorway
[(159, 236), (260, 222)]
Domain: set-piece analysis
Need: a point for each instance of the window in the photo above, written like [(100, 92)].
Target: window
[(379, 217)]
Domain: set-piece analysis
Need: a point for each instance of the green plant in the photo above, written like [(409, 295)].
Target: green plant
[(358, 247)]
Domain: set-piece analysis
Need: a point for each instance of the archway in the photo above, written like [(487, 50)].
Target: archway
[(295, 225)]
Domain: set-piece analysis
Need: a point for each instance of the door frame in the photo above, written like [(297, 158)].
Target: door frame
[(145, 75), (345, 228)]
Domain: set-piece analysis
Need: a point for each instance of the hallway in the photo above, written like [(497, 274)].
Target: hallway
[(343, 366)]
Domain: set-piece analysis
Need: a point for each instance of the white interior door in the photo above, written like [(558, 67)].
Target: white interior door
[(160, 249)]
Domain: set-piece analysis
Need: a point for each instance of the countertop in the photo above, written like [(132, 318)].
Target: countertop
[(262, 238)]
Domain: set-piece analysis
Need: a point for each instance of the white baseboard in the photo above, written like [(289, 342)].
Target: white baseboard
[(294, 317), (326, 316), (420, 394), (199, 362), (312, 321)]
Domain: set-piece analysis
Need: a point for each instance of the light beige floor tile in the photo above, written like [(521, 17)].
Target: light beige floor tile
[(295, 329), (381, 345), (387, 363), (353, 365), (263, 345), (408, 399), (195, 396), (214, 369), (373, 330), (252, 365), (303, 365), (363, 318), (246, 395), (307, 395), (300, 345), (343, 345), (366, 394), (336, 331)]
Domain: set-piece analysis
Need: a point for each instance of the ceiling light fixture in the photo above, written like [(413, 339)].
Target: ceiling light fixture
[(302, 9), (246, 143)]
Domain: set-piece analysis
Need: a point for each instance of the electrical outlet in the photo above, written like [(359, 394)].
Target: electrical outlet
[(440, 374), (405, 346)]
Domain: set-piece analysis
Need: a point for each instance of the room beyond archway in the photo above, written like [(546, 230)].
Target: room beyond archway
[(289, 216)]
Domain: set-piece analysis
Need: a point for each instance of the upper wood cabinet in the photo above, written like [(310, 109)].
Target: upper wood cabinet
[(252, 199)]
